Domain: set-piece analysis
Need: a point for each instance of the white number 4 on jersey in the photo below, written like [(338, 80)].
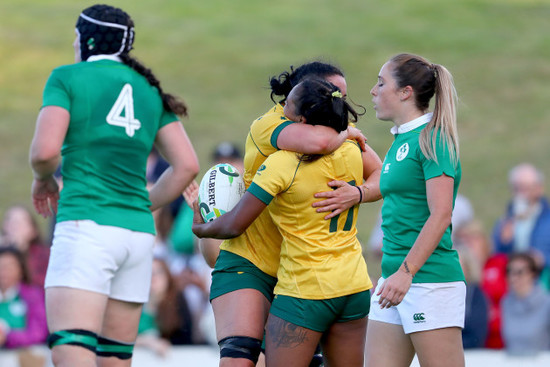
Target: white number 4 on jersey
[(122, 112)]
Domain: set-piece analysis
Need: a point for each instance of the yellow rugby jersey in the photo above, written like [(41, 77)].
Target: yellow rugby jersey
[(261, 242), (320, 258)]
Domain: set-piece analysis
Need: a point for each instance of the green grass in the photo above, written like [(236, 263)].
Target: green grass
[(218, 55)]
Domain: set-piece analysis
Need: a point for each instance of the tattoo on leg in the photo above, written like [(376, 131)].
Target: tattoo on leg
[(285, 334)]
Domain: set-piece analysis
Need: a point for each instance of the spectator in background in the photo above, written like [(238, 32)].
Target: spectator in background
[(526, 224), (164, 221), (525, 308), (22, 309), (20, 229), (463, 213), (194, 277), (187, 267), (156, 165), (472, 238), (190, 268), (476, 323), (165, 319), (495, 286), (227, 152), (176, 244)]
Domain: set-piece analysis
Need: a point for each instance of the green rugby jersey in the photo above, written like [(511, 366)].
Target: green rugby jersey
[(405, 209), (114, 117)]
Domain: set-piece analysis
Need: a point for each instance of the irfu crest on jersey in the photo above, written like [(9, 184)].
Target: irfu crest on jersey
[(402, 152)]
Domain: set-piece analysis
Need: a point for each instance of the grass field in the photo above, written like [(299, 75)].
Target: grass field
[(219, 55)]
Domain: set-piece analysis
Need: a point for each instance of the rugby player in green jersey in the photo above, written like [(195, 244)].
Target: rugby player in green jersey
[(102, 115)]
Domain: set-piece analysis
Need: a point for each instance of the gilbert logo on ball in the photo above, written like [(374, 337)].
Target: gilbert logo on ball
[(220, 190)]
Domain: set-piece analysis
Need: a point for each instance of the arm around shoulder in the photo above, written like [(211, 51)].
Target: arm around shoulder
[(310, 139)]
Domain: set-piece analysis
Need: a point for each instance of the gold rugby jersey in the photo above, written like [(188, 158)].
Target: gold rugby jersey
[(320, 259), (261, 242)]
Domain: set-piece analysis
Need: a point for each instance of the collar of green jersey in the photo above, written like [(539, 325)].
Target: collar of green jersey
[(411, 125)]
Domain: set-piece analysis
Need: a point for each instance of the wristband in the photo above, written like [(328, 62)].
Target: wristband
[(360, 194)]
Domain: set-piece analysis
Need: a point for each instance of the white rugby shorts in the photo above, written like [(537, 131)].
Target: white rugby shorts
[(426, 306), (109, 260)]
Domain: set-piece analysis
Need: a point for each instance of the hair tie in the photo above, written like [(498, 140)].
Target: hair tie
[(434, 70), (337, 94)]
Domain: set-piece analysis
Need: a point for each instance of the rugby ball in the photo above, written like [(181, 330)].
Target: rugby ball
[(220, 190)]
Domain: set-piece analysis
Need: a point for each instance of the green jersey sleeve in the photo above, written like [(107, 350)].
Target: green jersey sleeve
[(444, 164), (167, 118), (56, 92)]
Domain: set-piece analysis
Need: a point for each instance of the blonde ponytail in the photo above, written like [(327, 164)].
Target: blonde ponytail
[(444, 117)]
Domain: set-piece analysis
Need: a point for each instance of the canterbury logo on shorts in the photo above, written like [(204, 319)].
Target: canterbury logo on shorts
[(419, 317)]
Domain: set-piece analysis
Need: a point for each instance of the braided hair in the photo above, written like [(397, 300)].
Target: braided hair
[(106, 30)]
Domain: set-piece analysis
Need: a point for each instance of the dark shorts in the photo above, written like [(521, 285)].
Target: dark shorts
[(233, 272), (319, 315)]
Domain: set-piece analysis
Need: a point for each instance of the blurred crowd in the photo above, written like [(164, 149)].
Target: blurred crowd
[(507, 269)]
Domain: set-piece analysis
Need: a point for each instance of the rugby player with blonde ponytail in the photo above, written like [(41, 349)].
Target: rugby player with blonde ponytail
[(419, 303)]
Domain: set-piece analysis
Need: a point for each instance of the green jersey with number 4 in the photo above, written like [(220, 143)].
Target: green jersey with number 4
[(114, 118)]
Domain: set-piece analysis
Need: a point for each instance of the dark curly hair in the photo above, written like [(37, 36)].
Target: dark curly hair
[(282, 84)]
